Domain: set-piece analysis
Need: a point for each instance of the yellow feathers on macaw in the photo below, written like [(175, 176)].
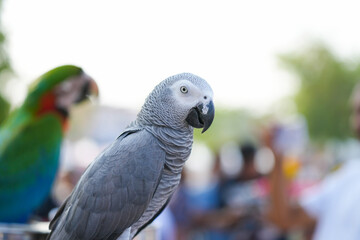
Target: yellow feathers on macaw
[(30, 140)]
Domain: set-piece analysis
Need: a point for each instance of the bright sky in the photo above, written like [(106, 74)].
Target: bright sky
[(130, 46)]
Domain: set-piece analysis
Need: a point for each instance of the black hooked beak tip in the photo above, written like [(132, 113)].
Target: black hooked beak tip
[(201, 116)]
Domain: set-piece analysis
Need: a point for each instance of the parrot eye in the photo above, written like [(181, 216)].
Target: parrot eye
[(183, 89)]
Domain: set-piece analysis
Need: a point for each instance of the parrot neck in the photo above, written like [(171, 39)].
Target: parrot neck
[(177, 145), (47, 105)]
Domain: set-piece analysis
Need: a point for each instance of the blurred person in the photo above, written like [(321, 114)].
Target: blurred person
[(196, 195), (329, 210), (246, 193), (231, 208)]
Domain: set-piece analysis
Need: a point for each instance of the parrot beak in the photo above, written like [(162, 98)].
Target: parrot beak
[(94, 89), (201, 116), (89, 90)]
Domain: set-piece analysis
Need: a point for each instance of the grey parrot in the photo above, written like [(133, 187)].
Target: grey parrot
[(128, 185)]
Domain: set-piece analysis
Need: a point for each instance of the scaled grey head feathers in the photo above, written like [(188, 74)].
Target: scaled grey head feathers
[(183, 100)]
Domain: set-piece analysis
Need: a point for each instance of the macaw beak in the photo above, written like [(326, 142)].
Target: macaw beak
[(89, 90), (94, 89), (201, 116)]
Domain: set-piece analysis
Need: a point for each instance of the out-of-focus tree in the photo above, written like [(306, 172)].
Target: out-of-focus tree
[(229, 125), (4, 68), (326, 84)]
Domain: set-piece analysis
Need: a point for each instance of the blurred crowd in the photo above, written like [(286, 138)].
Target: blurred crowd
[(277, 188)]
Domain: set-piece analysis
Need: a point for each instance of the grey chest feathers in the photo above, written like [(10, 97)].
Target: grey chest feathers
[(177, 152), (167, 185)]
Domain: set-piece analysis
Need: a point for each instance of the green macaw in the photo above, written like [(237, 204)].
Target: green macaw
[(30, 140), (4, 109)]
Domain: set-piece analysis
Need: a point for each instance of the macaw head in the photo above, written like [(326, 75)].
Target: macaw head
[(59, 89)]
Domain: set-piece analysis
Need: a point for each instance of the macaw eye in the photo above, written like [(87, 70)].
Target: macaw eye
[(183, 89)]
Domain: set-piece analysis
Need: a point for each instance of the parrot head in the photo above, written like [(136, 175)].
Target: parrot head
[(183, 100), (58, 89)]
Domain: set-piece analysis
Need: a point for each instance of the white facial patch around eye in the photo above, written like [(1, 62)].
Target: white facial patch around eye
[(64, 87), (193, 96), (191, 89)]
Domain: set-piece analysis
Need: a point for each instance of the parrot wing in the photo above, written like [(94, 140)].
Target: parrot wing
[(28, 164), (114, 191)]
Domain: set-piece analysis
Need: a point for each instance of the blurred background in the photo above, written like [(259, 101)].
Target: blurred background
[(282, 72)]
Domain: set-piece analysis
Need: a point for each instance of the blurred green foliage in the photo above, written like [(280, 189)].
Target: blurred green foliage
[(325, 87), (228, 125), (4, 68), (326, 84)]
